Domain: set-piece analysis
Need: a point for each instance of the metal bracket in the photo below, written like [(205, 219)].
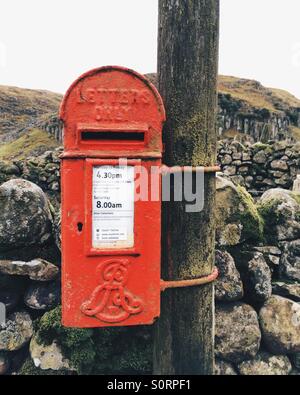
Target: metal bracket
[(178, 169), (189, 283)]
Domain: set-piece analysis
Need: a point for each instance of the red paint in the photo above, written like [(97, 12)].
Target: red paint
[(115, 287)]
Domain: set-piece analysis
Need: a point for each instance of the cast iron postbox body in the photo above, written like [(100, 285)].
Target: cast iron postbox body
[(113, 120)]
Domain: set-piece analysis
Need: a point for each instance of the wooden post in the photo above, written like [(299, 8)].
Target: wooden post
[(187, 77)]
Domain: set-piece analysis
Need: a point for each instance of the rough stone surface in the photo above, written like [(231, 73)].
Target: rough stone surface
[(237, 219), (288, 290), (228, 286), (43, 296), (281, 212), (258, 278), (224, 368), (265, 364), (260, 157), (16, 332), (289, 266), (37, 269), (23, 206), (57, 229), (48, 357), (237, 333), (260, 166), (271, 254), (280, 324)]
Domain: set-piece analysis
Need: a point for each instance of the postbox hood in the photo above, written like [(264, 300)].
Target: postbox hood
[(105, 69)]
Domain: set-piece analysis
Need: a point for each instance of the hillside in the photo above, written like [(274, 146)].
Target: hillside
[(19, 108), (250, 111), (253, 94), (247, 110)]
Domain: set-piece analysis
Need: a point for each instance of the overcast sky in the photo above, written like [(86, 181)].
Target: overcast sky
[(48, 43)]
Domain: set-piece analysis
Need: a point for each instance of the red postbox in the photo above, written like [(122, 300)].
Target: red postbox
[(111, 239)]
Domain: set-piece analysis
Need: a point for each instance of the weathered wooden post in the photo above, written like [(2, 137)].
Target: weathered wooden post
[(187, 75)]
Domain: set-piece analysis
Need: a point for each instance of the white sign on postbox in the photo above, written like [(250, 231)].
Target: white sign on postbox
[(113, 207)]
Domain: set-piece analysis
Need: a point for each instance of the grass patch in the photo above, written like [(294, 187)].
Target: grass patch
[(295, 132), (34, 142)]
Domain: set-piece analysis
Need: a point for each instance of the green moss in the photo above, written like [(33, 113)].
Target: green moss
[(271, 217), (34, 142), (76, 343), (98, 351), (252, 221), (262, 146), (296, 196), (29, 369)]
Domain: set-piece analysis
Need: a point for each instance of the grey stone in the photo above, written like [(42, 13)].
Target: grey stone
[(248, 181), (260, 157), (265, 364), (48, 356), (25, 215), (280, 324), (226, 160), (271, 254), (16, 332), (289, 266), (37, 269), (282, 181), (257, 278), (236, 214), (269, 250), (223, 368), (237, 156), (290, 291), (228, 286), (268, 182), (279, 165), (246, 156), (43, 296), (237, 333), (244, 170), (230, 170), (237, 163), (57, 229), (238, 180), (277, 174), (281, 212)]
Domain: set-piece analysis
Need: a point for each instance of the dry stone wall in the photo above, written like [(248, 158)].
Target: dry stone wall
[(259, 167), (257, 254)]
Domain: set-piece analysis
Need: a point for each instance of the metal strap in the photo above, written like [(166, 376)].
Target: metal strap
[(189, 283), (178, 169)]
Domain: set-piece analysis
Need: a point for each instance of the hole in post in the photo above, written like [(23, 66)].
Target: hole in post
[(79, 226)]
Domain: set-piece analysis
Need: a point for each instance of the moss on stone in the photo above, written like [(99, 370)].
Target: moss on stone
[(98, 351), (296, 196), (269, 213), (29, 369), (271, 217), (252, 221), (262, 146)]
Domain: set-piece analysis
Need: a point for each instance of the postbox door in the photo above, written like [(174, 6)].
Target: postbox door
[(111, 244)]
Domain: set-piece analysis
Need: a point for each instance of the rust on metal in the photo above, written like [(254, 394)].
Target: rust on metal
[(189, 283)]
